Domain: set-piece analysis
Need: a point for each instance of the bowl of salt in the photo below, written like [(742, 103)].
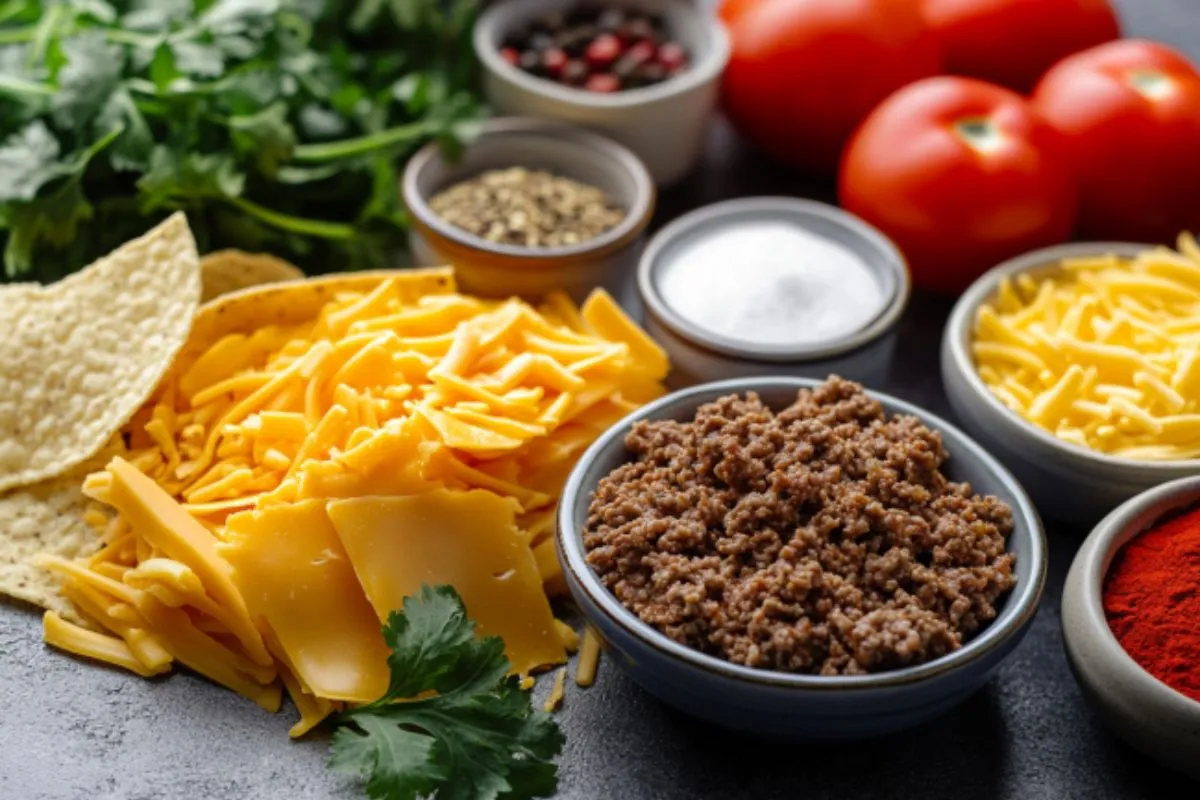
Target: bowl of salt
[(773, 284)]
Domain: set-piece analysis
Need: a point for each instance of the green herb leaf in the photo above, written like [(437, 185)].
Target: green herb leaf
[(53, 220), (90, 76), (395, 763), (477, 737), (265, 137), (28, 161), (173, 179), (277, 124), (162, 67), (131, 150)]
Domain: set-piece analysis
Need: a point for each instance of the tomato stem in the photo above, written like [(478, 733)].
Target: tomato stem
[(1150, 84), (979, 134)]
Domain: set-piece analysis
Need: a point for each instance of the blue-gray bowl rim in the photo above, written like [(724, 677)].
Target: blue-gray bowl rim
[(1018, 611)]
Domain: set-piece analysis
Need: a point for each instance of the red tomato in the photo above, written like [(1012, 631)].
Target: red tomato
[(1131, 110), (962, 175), (804, 73), (1012, 42), (730, 9)]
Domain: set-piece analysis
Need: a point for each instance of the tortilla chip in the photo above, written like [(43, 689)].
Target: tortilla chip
[(79, 357), (232, 270), (48, 517), (294, 302)]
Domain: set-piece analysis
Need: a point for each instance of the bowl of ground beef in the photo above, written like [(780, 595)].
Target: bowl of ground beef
[(799, 559)]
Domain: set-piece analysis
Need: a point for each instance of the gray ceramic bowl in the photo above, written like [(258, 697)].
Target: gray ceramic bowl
[(1147, 713), (776, 704), (1068, 482)]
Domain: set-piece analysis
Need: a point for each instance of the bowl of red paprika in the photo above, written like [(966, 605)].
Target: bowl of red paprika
[(1131, 622)]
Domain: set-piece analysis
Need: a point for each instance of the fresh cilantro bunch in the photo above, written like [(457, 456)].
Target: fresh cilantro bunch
[(472, 734), (275, 124)]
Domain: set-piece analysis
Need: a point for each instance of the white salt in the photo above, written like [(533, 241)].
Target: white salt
[(770, 283)]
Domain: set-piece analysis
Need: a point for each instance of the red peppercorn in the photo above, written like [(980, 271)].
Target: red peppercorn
[(510, 55), (603, 84), (603, 51), (553, 61), (672, 55), (641, 53)]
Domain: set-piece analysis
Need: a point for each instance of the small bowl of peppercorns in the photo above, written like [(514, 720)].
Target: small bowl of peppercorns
[(644, 72), (532, 207)]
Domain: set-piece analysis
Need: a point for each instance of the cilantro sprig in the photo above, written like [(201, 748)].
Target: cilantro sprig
[(453, 724), (275, 124)]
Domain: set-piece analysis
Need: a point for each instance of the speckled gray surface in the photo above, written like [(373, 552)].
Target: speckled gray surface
[(70, 730)]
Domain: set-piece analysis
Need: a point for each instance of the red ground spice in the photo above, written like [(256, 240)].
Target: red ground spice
[(1152, 601)]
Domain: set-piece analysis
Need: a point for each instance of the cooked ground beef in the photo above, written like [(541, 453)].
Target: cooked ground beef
[(823, 539)]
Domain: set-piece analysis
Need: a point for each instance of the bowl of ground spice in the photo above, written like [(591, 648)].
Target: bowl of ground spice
[(799, 559), (531, 207), (1131, 622)]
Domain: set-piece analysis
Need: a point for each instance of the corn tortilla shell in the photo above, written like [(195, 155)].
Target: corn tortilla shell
[(228, 271), (79, 357), (48, 518)]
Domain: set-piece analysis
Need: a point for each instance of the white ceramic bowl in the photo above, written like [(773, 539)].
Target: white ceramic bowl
[(1067, 481), (1141, 709), (664, 124), (784, 705)]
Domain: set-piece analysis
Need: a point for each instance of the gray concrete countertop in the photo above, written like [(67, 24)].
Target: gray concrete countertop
[(70, 730)]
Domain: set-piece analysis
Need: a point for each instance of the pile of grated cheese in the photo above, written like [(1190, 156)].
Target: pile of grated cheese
[(292, 481), (1103, 353)]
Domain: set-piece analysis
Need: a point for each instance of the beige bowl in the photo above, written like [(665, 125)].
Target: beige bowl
[(489, 269)]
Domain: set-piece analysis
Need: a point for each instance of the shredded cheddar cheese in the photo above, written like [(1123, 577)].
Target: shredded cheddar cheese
[(557, 691), (589, 659), (1104, 354), (296, 476)]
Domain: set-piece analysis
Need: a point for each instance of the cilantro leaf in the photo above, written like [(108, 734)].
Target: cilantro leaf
[(53, 219), (400, 764), (173, 178), (266, 137), (89, 77), (132, 148), (476, 737), (29, 160), (279, 124)]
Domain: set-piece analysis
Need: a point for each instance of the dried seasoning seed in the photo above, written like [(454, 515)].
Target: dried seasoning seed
[(527, 208)]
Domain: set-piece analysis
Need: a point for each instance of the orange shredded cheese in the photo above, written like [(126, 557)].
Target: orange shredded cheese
[(274, 466)]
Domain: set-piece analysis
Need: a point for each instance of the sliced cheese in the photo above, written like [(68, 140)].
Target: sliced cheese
[(606, 319), (466, 539), (167, 526), (293, 571)]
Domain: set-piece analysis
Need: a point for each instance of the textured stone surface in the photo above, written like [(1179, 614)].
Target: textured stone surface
[(70, 730)]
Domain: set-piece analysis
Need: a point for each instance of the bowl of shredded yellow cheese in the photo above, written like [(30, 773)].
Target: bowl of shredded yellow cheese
[(1079, 366)]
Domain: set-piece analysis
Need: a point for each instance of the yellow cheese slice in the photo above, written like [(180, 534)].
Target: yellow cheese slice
[(466, 539), (292, 570), (198, 650), (605, 317), (168, 527)]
